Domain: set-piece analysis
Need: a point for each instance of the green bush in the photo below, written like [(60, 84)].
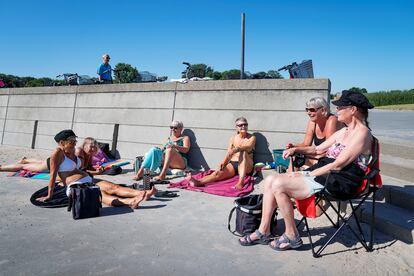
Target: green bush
[(391, 97)]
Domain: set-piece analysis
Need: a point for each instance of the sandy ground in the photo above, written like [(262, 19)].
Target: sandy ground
[(184, 236)]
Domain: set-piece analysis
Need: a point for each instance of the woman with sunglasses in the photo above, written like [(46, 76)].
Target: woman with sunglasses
[(238, 160), (349, 147), (172, 155), (65, 164), (321, 125)]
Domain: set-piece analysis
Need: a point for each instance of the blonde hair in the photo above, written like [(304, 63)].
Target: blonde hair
[(89, 140)]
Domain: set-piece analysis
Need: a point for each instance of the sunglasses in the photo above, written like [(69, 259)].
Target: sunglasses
[(172, 127), (242, 125), (312, 109)]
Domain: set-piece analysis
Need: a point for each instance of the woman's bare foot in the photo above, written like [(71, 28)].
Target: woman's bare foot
[(239, 185), (150, 193), (193, 182), (137, 200), (23, 160), (160, 177), (136, 178)]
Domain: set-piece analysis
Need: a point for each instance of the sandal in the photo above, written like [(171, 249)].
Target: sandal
[(165, 194), (291, 244), (262, 239), (159, 181)]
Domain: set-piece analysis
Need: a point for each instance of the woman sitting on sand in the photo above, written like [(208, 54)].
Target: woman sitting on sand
[(171, 156), (86, 153), (65, 164), (238, 160), (321, 125), (348, 148)]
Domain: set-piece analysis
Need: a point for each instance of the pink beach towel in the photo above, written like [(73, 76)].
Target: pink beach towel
[(222, 188)]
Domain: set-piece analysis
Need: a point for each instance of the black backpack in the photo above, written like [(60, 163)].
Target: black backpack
[(85, 200), (249, 215)]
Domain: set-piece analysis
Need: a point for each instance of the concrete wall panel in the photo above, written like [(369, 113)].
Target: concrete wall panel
[(45, 142), (157, 117), (3, 101), (19, 126), (1, 124), (43, 114), (17, 139), (143, 134), (51, 128), (286, 121), (97, 131), (47, 100), (127, 100)]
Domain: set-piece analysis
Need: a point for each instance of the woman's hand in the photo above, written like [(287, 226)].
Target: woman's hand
[(44, 198), (288, 152), (288, 146)]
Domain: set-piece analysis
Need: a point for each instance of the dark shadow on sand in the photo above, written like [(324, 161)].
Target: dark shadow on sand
[(113, 211)]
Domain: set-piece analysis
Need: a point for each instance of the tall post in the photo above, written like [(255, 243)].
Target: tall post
[(242, 47)]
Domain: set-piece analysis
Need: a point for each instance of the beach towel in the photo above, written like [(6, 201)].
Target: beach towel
[(29, 174), (118, 163), (221, 188)]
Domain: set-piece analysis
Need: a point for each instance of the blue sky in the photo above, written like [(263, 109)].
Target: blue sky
[(353, 43)]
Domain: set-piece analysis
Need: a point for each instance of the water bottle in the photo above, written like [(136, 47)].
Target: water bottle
[(147, 179)]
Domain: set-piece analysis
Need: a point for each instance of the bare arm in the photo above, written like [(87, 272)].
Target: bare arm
[(331, 126), (186, 145), (55, 160)]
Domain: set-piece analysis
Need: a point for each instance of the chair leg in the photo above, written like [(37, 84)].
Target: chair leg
[(310, 238), (371, 240)]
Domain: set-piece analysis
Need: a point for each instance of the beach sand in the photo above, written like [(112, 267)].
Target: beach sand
[(184, 236)]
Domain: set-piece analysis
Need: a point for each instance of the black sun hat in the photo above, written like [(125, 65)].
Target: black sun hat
[(64, 135), (353, 98)]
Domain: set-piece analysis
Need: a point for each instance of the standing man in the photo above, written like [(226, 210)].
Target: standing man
[(105, 70)]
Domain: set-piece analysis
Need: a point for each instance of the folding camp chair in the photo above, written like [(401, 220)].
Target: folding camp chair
[(371, 183)]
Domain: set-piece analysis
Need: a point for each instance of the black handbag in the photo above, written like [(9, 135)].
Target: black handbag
[(249, 215), (85, 200)]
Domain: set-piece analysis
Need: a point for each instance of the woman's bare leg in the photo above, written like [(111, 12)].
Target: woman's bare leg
[(245, 167), (139, 174), (116, 190), (34, 167), (132, 202), (226, 173), (172, 159)]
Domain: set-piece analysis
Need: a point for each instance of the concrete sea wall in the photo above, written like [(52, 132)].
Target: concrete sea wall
[(134, 117)]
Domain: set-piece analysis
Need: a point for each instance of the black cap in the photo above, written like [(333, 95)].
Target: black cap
[(64, 135), (353, 98)]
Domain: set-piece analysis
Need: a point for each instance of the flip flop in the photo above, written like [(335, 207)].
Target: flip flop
[(158, 181), (291, 244), (165, 194)]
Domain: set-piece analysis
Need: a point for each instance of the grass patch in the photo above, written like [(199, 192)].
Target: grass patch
[(406, 107)]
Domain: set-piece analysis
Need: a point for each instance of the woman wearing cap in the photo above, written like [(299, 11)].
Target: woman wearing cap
[(348, 146), (65, 164), (172, 155), (321, 125), (238, 160)]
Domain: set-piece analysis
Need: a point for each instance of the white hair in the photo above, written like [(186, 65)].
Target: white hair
[(177, 124), (319, 102)]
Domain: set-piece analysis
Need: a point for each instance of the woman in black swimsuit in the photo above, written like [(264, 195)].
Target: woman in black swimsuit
[(321, 125), (238, 160)]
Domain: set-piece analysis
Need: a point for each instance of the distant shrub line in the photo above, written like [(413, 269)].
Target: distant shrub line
[(393, 97)]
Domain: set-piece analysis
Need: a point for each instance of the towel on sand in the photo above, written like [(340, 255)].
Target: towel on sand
[(222, 188)]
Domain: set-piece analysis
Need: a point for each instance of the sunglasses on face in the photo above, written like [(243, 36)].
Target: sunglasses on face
[(312, 109), (174, 128), (242, 125)]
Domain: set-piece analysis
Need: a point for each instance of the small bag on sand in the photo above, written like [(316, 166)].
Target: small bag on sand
[(249, 215)]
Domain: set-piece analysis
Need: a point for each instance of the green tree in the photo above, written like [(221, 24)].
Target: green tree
[(199, 70), (273, 74), (125, 73), (357, 89), (232, 74)]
